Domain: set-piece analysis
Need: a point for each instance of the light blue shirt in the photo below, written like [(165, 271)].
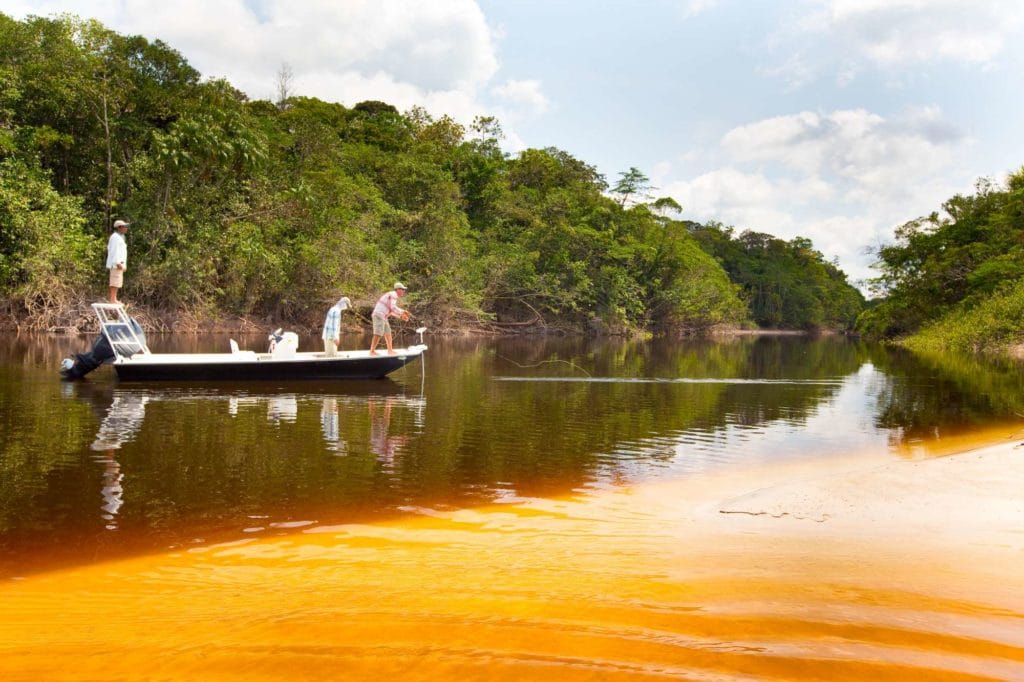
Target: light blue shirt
[(332, 323)]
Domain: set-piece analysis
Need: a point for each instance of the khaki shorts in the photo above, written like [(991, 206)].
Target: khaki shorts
[(330, 347), (116, 277), (381, 326)]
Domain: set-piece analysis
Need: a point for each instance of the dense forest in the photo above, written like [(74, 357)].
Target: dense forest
[(955, 280), (786, 284), (274, 209)]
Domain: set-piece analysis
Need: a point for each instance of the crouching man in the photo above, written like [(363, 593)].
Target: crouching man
[(332, 326)]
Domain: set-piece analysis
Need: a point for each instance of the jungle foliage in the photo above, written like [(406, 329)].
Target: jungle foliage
[(786, 284), (956, 278), (273, 209)]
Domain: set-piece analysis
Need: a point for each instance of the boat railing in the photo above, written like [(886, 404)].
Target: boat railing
[(120, 330)]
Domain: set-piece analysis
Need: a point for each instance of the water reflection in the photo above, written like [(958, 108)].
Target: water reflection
[(122, 421), (124, 417), (928, 397), (329, 426), (483, 420), (112, 491), (383, 443), (120, 424)]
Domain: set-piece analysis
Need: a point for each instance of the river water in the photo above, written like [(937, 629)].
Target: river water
[(508, 509)]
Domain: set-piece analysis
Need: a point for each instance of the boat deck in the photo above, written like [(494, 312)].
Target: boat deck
[(248, 356)]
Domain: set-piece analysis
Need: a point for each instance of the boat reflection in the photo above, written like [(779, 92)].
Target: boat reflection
[(124, 408), (134, 468), (123, 413), (280, 408)]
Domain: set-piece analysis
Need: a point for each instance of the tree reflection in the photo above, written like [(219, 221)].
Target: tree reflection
[(929, 396), (169, 465)]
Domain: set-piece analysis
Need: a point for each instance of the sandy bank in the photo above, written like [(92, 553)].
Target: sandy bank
[(974, 494)]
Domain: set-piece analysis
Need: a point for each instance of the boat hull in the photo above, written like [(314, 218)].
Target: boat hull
[(376, 367)]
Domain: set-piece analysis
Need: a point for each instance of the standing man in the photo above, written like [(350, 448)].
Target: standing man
[(117, 258), (387, 306), (332, 326)]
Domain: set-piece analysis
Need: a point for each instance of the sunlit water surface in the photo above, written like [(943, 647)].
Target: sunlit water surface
[(507, 510)]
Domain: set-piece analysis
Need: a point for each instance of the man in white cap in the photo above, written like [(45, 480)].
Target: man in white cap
[(117, 258), (332, 326), (387, 306)]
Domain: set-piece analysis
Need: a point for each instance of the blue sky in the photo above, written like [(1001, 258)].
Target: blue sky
[(836, 120)]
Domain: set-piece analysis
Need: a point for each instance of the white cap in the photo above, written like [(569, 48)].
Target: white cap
[(399, 285), (120, 223)]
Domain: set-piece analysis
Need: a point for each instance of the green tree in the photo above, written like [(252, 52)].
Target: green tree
[(273, 208), (632, 184), (950, 261), (785, 284), (43, 246)]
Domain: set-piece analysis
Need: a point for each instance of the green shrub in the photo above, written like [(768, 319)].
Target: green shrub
[(991, 326)]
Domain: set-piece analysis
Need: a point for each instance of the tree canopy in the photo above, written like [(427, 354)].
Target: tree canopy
[(947, 264), (274, 208), (785, 284)]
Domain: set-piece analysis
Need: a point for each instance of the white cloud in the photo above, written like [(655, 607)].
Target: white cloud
[(692, 8), (795, 70), (848, 238), (909, 31), (512, 142), (869, 158), (523, 95), (731, 196), (844, 179), (844, 37), (404, 52)]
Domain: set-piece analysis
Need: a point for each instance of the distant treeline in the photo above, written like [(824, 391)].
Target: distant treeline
[(263, 208), (955, 280), (785, 284)]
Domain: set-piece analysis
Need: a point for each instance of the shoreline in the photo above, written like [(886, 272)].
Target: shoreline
[(79, 319), (76, 317)]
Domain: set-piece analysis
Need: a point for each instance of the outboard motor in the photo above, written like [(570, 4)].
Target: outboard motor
[(83, 363)]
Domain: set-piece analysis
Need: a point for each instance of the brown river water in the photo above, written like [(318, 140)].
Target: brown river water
[(509, 509)]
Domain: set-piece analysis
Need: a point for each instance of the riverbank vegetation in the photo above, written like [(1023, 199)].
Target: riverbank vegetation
[(955, 280), (271, 210)]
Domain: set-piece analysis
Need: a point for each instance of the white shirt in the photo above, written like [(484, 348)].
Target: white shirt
[(117, 251)]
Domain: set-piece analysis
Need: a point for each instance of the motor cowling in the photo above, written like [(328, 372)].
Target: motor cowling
[(283, 344), (81, 364)]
